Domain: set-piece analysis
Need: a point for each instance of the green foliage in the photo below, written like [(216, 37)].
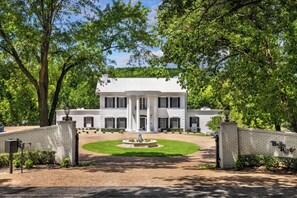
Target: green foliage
[(243, 50), (112, 130), (37, 157), (269, 162), (42, 45), (214, 123), (65, 163), (174, 130), (28, 164), (207, 166), (17, 163), (170, 148)]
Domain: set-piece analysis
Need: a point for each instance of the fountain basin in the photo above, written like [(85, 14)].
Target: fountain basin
[(143, 144)]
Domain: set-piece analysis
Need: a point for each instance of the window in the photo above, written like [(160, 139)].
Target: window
[(174, 102), (109, 102), (194, 121), (163, 123), (174, 123), (121, 123), (121, 102), (88, 122), (163, 102), (142, 103), (109, 123)]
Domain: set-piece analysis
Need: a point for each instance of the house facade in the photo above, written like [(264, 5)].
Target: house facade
[(141, 104)]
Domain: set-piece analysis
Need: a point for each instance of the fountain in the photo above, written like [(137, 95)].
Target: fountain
[(139, 142)]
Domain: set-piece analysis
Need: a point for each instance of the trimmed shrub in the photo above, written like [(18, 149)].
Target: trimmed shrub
[(37, 157), (269, 162), (16, 163), (112, 130), (28, 164), (65, 163)]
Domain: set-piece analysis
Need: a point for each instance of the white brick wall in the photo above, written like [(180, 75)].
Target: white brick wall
[(59, 138), (235, 141)]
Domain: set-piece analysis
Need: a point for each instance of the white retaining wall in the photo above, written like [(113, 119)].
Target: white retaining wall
[(235, 141), (59, 138)]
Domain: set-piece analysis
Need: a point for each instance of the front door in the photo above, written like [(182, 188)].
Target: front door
[(142, 124)]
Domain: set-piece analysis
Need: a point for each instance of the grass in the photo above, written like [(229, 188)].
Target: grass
[(170, 148), (207, 166)]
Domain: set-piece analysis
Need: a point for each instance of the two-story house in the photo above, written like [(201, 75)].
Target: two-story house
[(141, 104)]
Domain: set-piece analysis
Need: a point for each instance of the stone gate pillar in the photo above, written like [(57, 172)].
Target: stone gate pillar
[(66, 141), (228, 148)]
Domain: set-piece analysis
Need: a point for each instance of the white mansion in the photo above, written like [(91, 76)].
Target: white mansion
[(141, 104)]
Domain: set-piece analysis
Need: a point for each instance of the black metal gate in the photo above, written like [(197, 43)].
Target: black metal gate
[(217, 151), (76, 149)]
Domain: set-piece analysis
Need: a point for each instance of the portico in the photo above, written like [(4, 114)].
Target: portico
[(142, 110)]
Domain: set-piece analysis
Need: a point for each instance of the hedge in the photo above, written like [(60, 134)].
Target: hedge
[(112, 130), (37, 157), (270, 162)]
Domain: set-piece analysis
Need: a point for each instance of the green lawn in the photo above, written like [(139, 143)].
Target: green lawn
[(170, 148)]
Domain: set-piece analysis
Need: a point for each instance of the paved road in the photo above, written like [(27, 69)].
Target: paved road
[(185, 191)]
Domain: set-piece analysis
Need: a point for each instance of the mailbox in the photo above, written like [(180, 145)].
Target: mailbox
[(11, 146)]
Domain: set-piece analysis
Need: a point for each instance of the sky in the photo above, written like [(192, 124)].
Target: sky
[(123, 58)]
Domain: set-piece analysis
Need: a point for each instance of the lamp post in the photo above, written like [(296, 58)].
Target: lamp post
[(226, 114), (67, 111)]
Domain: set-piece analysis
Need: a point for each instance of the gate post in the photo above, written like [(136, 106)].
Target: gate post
[(228, 144), (67, 141)]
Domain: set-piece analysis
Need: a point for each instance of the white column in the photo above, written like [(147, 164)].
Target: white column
[(128, 114), (156, 113), (137, 114), (148, 114)]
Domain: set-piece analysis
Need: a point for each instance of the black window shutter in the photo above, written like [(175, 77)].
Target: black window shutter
[(105, 122), (198, 122), (166, 122), (159, 122), (125, 121), (118, 123), (166, 102), (159, 103), (178, 120), (178, 100), (125, 102), (105, 102), (113, 124), (191, 121), (170, 102), (85, 121), (118, 105), (92, 121), (113, 99), (171, 123)]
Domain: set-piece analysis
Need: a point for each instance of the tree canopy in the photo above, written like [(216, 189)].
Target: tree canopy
[(246, 50), (42, 41)]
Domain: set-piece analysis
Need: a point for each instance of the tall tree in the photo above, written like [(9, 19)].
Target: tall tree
[(248, 46), (48, 38)]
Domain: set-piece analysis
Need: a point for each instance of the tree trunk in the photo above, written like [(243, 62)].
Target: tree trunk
[(277, 127), (56, 98), (294, 126)]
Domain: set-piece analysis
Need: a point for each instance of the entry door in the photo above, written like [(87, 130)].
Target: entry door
[(142, 123)]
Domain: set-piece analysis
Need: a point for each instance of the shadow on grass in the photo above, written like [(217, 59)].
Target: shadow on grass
[(147, 154)]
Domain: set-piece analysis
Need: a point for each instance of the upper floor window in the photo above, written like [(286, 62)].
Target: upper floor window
[(109, 102), (121, 102), (174, 102), (163, 102), (142, 103)]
